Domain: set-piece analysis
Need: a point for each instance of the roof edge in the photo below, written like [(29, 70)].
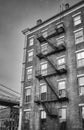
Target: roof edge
[(49, 19)]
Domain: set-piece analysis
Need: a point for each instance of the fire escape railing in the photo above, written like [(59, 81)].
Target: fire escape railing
[(48, 107), (51, 111), (56, 70), (56, 49), (49, 74), (58, 30)]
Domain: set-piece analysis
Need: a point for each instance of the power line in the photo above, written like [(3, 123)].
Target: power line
[(9, 89), (7, 92)]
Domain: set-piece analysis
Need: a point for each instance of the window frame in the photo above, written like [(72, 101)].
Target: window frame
[(61, 89), (31, 41), (80, 60), (77, 21), (26, 115), (61, 114), (62, 65), (80, 86), (44, 71), (59, 41), (30, 75), (44, 48), (28, 95), (80, 38), (44, 92), (45, 33), (30, 58), (44, 114)]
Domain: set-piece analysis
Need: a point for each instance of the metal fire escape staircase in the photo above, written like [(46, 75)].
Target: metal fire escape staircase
[(55, 48), (54, 66), (50, 110), (47, 103)]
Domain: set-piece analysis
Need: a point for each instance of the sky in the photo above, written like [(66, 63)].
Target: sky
[(15, 16)]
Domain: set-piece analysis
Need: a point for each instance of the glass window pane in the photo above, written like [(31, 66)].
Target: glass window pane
[(83, 112), (79, 36), (61, 61), (63, 113), (79, 56), (77, 20), (82, 54), (80, 59), (43, 115), (44, 66), (43, 88), (82, 90), (29, 71), (30, 55), (28, 91), (61, 85), (45, 34), (44, 48), (60, 41), (81, 81), (31, 42), (27, 115)]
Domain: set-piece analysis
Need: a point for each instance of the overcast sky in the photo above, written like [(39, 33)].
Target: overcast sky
[(16, 15)]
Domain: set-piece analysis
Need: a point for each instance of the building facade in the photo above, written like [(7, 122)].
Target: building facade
[(53, 73), (9, 118)]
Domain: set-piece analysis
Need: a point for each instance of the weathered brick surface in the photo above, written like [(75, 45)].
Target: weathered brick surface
[(73, 121)]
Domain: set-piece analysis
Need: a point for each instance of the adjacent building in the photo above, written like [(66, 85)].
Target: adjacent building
[(53, 73), (9, 117)]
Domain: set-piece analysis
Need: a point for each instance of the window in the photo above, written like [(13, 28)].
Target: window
[(28, 95), (27, 116), (31, 41), (43, 90), (30, 55), (44, 68), (79, 36), (62, 88), (62, 113), (80, 59), (43, 121), (45, 34), (77, 20), (61, 62), (82, 112), (27, 120), (43, 115), (60, 41), (81, 85), (44, 48), (29, 73)]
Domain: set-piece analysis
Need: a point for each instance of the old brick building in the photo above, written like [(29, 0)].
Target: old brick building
[(53, 73), (9, 117)]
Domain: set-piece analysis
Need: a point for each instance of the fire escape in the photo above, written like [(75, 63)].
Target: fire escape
[(47, 104)]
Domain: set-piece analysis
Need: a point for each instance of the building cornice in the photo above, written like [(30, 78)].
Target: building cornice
[(54, 18)]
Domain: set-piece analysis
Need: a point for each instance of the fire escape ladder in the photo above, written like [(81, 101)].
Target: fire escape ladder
[(49, 109), (51, 86), (51, 63), (46, 107), (42, 39), (62, 46), (52, 45)]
